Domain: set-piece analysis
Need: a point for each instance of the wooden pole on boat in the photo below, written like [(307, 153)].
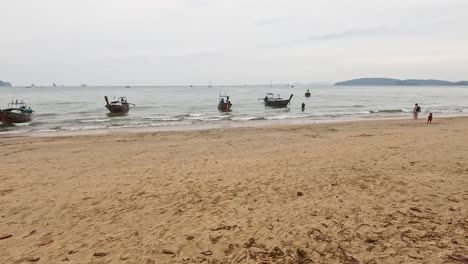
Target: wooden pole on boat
[(107, 100), (290, 97)]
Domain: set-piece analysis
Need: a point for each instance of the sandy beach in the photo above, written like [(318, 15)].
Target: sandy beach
[(392, 191)]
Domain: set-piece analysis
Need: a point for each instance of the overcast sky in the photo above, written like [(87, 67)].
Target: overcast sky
[(117, 42)]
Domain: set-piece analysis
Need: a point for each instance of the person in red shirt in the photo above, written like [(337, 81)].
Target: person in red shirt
[(429, 119)]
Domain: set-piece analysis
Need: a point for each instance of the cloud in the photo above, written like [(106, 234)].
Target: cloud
[(287, 39)]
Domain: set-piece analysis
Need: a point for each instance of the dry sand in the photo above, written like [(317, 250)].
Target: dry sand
[(361, 192)]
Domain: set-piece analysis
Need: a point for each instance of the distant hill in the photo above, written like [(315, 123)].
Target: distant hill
[(4, 84), (397, 82)]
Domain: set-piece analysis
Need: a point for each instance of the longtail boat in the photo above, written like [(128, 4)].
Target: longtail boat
[(307, 93), (224, 104), (272, 101), (17, 112), (118, 107)]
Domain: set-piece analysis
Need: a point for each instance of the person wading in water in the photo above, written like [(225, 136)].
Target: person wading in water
[(416, 111)]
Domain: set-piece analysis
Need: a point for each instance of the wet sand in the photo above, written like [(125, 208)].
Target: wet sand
[(392, 191)]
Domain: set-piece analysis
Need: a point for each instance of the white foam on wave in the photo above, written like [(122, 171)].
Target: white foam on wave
[(95, 120), (83, 128), (12, 132), (161, 118), (280, 117), (214, 118), (247, 118), (22, 124), (44, 130)]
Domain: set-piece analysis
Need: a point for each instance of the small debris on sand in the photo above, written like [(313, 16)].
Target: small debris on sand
[(45, 242), (5, 237), (223, 227), (167, 251), (101, 254), (415, 209), (33, 259)]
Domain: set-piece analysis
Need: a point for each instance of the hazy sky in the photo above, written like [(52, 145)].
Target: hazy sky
[(146, 42)]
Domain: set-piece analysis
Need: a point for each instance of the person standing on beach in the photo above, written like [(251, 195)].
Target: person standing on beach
[(429, 119), (303, 107), (416, 111)]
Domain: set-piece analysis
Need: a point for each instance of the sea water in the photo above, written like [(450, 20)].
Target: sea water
[(59, 109)]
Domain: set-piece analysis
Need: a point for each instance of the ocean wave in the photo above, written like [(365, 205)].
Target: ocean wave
[(135, 125), (45, 114), (8, 132), (162, 118), (169, 124), (214, 118), (189, 115), (447, 111), (44, 130), (387, 111), (95, 120), (22, 124), (282, 117), (247, 118), (143, 125), (83, 128), (37, 123)]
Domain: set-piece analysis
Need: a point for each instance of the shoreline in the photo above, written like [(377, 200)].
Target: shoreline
[(211, 126)]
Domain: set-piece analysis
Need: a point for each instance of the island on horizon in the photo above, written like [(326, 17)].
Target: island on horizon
[(398, 82), (4, 84)]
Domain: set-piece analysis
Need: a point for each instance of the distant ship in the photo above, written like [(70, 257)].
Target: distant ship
[(128, 86), (84, 85), (209, 85)]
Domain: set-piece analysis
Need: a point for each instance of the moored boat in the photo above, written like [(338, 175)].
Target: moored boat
[(118, 107), (307, 93), (224, 103), (272, 101), (17, 112)]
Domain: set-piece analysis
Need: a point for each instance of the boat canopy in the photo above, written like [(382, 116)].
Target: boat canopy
[(121, 99), (271, 97), (17, 104), (223, 98)]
